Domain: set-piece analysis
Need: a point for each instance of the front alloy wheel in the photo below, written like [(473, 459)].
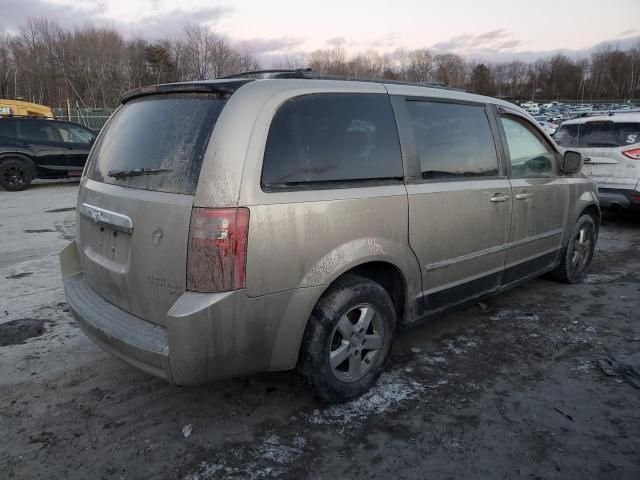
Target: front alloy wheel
[(582, 248), (577, 256)]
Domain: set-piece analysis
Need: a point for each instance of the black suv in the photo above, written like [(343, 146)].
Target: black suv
[(41, 148)]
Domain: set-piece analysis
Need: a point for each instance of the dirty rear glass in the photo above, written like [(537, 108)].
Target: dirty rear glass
[(598, 134), (163, 135)]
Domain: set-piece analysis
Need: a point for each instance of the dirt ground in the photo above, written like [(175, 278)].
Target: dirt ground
[(537, 384)]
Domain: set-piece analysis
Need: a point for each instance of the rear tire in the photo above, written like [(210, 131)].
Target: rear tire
[(348, 339), (577, 257), (15, 175)]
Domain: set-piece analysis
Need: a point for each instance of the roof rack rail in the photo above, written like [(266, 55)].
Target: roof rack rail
[(277, 72), (350, 78), (308, 73)]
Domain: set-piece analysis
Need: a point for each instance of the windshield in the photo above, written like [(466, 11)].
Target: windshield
[(156, 142), (598, 134)]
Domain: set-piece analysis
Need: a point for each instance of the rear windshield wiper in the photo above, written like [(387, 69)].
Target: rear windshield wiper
[(136, 172)]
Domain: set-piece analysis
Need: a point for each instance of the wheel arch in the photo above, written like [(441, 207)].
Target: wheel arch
[(593, 210), (383, 272), (387, 275), (19, 156)]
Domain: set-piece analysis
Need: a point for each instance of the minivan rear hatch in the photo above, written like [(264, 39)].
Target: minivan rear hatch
[(134, 204)]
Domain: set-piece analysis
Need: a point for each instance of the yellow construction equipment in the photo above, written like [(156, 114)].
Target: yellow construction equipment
[(23, 109)]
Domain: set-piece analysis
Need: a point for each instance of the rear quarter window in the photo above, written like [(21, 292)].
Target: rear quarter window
[(165, 133), (323, 138)]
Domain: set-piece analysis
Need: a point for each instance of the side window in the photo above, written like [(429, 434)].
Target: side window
[(332, 137), (38, 131), (453, 140), (8, 128), (530, 156), (72, 134)]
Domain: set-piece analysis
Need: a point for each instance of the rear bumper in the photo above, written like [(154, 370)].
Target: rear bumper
[(125, 336), (618, 198), (207, 336)]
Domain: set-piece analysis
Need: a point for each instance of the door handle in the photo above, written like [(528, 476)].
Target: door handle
[(586, 159), (523, 196), (498, 197), (24, 144)]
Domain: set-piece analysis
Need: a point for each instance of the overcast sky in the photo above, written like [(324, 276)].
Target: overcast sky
[(484, 29)]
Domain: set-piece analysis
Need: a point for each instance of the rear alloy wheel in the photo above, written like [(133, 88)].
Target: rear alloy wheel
[(348, 339), (15, 175), (356, 343), (579, 252)]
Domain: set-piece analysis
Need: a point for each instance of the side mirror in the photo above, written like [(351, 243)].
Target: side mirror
[(571, 162)]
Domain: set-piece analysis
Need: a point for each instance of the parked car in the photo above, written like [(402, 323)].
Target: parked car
[(235, 226), (41, 148), (548, 127), (610, 145)]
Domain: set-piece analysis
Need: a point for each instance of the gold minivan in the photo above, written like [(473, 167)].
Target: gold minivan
[(240, 225)]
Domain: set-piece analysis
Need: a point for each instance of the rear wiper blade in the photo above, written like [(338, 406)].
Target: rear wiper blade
[(135, 172)]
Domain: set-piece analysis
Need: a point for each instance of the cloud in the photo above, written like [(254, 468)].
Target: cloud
[(492, 35), (493, 40), (508, 44), (386, 41), (505, 54), (173, 22), (626, 33), (152, 26), (273, 45), (336, 42), (16, 12)]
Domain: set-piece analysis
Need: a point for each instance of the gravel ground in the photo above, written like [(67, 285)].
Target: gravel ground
[(540, 382)]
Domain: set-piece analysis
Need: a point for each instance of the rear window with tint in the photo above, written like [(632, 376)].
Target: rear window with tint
[(453, 140), (323, 138), (169, 133), (598, 134)]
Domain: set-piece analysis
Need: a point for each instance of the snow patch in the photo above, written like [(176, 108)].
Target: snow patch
[(583, 367), (599, 278), (267, 460), (387, 396)]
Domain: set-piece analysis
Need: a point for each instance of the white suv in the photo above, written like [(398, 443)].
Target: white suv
[(610, 145)]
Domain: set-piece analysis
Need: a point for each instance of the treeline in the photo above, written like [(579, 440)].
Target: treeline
[(92, 66), (608, 73)]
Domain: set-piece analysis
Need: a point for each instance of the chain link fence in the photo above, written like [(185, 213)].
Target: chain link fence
[(93, 118)]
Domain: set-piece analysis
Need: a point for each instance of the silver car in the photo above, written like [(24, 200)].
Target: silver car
[(610, 144), (235, 226)]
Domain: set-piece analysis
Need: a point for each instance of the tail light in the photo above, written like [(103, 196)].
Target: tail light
[(632, 154), (217, 250)]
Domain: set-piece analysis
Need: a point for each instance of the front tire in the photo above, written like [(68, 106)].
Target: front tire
[(348, 339), (15, 175), (577, 257)]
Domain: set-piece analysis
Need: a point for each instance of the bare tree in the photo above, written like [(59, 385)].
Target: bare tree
[(92, 66)]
